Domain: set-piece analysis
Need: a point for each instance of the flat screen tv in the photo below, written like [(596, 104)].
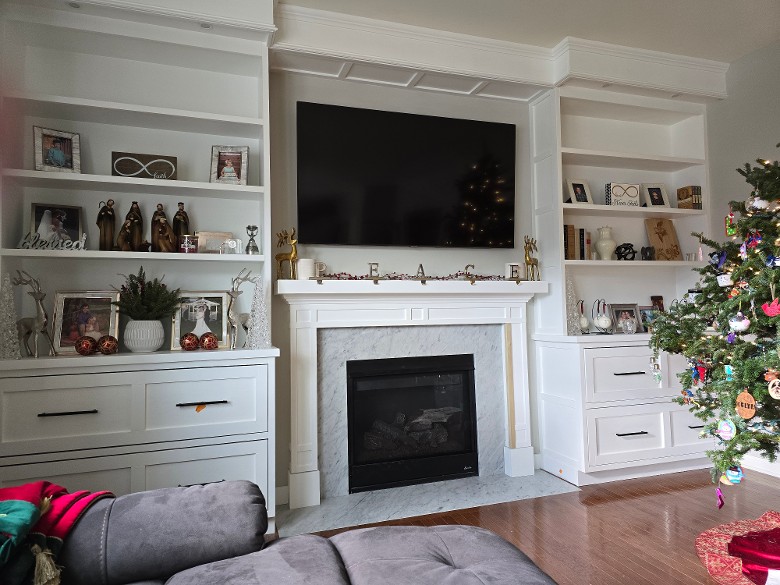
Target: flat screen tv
[(375, 178)]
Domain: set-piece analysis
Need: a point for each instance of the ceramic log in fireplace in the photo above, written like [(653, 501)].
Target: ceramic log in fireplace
[(410, 420)]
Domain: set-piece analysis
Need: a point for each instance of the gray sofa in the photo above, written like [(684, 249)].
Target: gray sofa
[(214, 535)]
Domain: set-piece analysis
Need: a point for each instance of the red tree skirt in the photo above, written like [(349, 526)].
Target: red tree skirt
[(712, 547)]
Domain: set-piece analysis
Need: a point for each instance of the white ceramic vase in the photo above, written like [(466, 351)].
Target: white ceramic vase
[(144, 336), (605, 245)]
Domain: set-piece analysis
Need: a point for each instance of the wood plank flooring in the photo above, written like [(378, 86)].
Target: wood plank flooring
[(632, 532)]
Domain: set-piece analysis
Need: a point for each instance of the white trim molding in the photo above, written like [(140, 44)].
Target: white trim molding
[(327, 304)]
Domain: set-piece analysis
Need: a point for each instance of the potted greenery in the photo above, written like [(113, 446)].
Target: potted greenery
[(146, 302)]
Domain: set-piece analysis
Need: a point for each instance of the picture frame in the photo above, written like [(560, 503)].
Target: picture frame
[(622, 194), (648, 315), (657, 301), (579, 192), (618, 312), (78, 313), (53, 221), (56, 150), (654, 195), (200, 312), (229, 164), (212, 242)]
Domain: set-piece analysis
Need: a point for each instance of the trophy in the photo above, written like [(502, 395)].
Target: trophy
[(251, 245)]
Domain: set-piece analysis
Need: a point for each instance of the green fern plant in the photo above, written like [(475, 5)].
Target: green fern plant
[(142, 299)]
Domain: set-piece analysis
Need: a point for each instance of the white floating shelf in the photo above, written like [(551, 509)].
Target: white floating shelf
[(621, 160), (50, 180), (651, 264), (115, 113), (116, 255), (627, 211)]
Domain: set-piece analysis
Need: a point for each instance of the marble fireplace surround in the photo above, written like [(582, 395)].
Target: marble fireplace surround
[(328, 304)]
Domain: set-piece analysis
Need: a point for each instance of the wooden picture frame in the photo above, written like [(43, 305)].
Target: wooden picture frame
[(200, 312), (56, 150), (663, 237), (620, 311), (78, 313), (53, 221), (229, 164), (654, 195), (579, 192)]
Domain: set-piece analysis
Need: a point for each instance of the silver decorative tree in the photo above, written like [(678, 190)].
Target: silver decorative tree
[(9, 342), (572, 311), (258, 332)]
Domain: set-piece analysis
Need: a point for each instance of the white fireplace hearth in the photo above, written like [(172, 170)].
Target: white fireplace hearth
[(358, 305)]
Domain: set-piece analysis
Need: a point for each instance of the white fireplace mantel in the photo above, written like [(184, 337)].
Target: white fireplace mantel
[(384, 303)]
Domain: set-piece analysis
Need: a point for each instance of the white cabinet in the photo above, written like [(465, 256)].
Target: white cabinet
[(127, 426), (604, 416)]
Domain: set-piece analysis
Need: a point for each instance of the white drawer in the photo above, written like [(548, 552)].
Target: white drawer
[(122, 474), (65, 407), (685, 431), (620, 373), (623, 434), (236, 396)]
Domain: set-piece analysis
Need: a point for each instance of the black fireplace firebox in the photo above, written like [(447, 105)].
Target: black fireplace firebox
[(410, 420)]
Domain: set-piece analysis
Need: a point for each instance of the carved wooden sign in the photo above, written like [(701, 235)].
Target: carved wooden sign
[(147, 166)]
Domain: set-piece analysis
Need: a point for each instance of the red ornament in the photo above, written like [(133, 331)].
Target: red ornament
[(209, 341), (86, 345), (108, 344), (189, 341)]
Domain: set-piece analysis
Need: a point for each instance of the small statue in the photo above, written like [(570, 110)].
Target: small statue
[(531, 263), (136, 226), (625, 252), (124, 241), (33, 326), (163, 236), (181, 221), (234, 318), (284, 238), (106, 222), (156, 230), (251, 245), (648, 253)]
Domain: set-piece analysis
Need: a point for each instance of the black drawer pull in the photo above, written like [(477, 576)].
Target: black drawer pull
[(68, 413), (203, 403), (695, 426), (627, 373), (631, 434)]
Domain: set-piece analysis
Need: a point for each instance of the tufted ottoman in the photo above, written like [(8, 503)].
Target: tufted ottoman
[(397, 555)]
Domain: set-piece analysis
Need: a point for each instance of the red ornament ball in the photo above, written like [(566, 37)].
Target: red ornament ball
[(108, 344), (85, 345), (189, 341), (209, 341)]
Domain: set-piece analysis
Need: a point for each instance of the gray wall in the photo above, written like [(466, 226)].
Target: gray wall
[(288, 88)]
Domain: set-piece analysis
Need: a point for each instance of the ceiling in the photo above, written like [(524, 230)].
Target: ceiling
[(721, 30)]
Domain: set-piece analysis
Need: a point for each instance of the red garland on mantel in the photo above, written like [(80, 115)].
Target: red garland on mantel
[(712, 548), (396, 276)]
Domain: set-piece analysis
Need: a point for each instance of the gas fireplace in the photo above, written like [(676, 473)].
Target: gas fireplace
[(410, 420)]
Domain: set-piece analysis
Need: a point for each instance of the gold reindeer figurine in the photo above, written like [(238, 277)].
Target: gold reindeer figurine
[(531, 263), (284, 238)]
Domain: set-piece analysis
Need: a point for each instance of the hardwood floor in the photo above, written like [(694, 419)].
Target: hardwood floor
[(633, 532)]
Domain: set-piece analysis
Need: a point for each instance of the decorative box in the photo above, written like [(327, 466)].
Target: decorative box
[(622, 194)]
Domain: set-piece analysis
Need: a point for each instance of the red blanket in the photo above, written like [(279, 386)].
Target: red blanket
[(35, 518)]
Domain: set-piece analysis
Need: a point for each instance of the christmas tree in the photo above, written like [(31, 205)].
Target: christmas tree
[(729, 329)]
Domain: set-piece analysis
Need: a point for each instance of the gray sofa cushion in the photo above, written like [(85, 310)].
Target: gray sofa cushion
[(445, 555), (297, 560), (148, 536)]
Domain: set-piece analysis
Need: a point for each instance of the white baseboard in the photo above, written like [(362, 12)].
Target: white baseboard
[(282, 495), (758, 463)]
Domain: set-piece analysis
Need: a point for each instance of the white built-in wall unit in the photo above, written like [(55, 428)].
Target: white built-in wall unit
[(596, 112), (173, 78)]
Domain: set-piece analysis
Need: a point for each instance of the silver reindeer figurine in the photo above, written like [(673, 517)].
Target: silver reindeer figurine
[(27, 326), (234, 318)]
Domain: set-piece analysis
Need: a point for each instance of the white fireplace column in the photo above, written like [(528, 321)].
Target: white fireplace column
[(350, 303)]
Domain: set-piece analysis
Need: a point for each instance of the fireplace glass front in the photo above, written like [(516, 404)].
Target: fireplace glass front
[(410, 420)]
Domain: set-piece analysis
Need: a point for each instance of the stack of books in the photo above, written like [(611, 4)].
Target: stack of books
[(576, 243), (689, 197)]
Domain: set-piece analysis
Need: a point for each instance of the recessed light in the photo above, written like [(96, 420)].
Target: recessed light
[(74, 4), (205, 25)]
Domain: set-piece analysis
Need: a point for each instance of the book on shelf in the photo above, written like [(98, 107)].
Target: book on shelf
[(569, 243), (576, 243), (689, 197)]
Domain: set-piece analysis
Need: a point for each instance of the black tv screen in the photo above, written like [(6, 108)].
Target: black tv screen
[(375, 178)]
